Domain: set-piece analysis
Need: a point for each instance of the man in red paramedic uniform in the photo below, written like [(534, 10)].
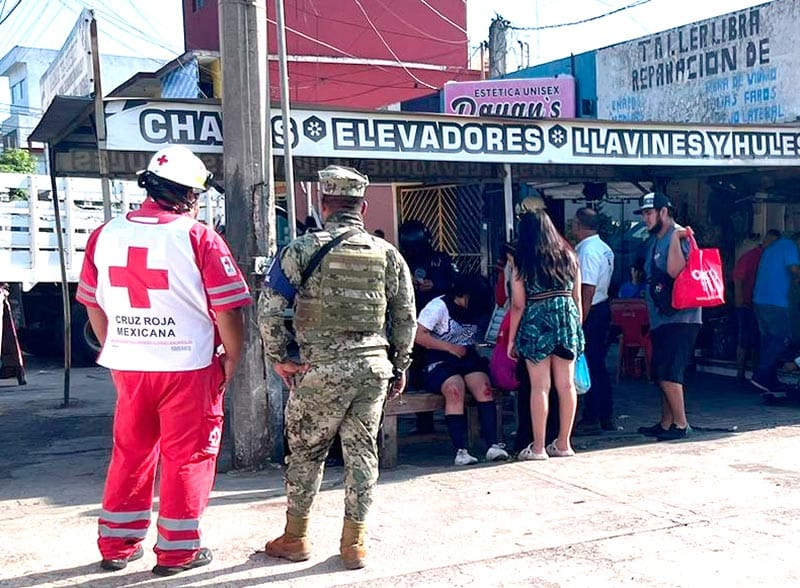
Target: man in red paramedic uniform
[(162, 291)]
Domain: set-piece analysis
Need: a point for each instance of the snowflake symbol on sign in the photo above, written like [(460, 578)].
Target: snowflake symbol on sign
[(314, 129), (558, 136)]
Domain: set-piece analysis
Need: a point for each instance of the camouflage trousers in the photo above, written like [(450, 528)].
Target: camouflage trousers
[(345, 397)]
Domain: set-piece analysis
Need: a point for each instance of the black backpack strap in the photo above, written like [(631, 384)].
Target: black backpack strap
[(322, 252)]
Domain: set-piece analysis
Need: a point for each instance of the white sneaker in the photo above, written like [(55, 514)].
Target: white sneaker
[(497, 452), (464, 458)]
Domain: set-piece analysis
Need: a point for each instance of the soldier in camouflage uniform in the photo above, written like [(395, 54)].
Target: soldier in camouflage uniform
[(355, 323)]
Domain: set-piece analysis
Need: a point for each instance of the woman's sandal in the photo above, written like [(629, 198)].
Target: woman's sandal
[(554, 451)]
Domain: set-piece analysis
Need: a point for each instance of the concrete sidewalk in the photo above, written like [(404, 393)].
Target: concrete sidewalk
[(719, 509)]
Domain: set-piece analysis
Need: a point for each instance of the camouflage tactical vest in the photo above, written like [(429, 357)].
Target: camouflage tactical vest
[(351, 295)]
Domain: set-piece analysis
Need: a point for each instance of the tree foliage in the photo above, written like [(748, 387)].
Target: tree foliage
[(17, 161)]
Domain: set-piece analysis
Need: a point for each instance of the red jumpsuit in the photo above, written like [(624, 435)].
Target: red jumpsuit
[(159, 277)]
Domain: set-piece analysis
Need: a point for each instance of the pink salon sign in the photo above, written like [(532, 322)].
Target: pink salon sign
[(521, 98)]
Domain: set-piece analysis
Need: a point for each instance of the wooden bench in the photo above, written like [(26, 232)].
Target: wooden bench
[(414, 402)]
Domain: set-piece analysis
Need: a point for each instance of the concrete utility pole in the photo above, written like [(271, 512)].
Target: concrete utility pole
[(497, 46), (253, 399)]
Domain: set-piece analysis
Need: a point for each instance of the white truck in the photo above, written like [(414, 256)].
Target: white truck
[(29, 259)]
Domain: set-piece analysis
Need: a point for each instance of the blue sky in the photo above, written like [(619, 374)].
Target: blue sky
[(154, 27), (127, 27)]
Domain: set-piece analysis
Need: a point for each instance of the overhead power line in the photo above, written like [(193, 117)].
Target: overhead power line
[(391, 51), (10, 12), (444, 18), (582, 21), (412, 26)]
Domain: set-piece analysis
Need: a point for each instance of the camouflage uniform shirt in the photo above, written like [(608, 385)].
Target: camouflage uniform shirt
[(324, 346)]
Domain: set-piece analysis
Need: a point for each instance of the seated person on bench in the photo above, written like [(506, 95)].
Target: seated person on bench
[(447, 332)]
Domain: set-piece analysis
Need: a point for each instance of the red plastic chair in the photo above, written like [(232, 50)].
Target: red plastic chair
[(631, 317)]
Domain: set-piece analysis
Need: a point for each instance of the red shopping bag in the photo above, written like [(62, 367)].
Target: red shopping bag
[(700, 283)]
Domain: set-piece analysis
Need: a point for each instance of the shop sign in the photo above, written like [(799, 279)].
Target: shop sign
[(517, 98), (738, 68), (148, 126)]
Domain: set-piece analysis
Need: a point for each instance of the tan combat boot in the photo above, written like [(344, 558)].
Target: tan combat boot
[(352, 545), (293, 544)]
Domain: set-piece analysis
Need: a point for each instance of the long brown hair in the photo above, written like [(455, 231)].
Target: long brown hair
[(542, 254)]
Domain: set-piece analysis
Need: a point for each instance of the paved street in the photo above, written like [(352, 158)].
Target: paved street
[(719, 510)]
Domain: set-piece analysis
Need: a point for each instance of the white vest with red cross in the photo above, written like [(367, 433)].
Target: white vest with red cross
[(150, 288)]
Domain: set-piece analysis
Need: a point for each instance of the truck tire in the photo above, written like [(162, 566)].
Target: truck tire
[(85, 346)]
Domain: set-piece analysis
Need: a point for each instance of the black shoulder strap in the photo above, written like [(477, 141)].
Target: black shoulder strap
[(322, 252)]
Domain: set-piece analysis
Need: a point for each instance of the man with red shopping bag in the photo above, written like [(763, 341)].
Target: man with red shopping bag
[(673, 332)]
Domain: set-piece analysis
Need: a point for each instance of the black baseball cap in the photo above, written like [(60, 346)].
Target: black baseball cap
[(653, 200)]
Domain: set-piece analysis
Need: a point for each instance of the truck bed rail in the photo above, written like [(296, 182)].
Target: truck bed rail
[(28, 240)]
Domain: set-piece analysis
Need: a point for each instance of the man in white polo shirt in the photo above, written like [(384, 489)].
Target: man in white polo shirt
[(596, 261)]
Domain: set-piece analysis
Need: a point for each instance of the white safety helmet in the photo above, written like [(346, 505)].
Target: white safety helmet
[(178, 164)]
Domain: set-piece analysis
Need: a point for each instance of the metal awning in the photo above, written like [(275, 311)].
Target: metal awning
[(68, 118)]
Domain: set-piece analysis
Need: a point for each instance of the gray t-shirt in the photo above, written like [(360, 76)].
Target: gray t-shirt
[(657, 251)]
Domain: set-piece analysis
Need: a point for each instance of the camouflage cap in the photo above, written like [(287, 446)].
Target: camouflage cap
[(337, 180)]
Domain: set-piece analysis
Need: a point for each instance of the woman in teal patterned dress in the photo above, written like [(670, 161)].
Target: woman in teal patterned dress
[(546, 327)]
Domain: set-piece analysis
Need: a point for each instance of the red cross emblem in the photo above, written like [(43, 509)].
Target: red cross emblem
[(138, 278), (162, 160)]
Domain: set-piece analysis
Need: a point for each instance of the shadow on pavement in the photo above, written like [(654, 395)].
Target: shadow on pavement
[(40, 443), (275, 571)]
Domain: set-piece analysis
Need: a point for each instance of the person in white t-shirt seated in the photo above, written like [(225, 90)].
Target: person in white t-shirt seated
[(447, 330)]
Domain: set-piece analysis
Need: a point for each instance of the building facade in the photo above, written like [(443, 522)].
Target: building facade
[(737, 68), (24, 68), (369, 54)]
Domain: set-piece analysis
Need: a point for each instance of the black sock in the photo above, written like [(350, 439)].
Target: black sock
[(487, 413), (457, 427)]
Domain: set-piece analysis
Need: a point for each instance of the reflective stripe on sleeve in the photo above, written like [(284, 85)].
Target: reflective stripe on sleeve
[(226, 288), (229, 299)]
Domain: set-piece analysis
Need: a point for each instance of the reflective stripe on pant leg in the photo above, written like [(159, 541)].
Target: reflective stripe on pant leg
[(124, 517), (191, 424), (125, 525), (178, 534), (122, 532), (128, 493)]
